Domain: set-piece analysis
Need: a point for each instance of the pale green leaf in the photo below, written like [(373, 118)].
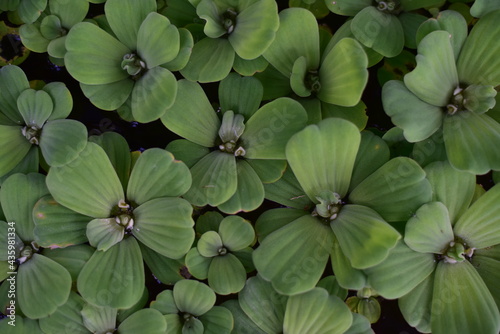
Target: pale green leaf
[(435, 77), (115, 277), (88, 185)]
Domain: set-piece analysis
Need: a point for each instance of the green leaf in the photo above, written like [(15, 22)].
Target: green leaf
[(69, 15), (154, 30), (97, 319), (275, 84), (240, 94), (61, 98), (249, 194), (58, 226), (249, 67), (211, 60), (186, 44), (242, 323), (7, 233), (193, 297), (298, 78), (125, 18), (29, 164), (29, 10), (486, 262), (373, 153), (322, 156), (62, 140), (18, 196), (113, 278), (348, 7), (72, 258), (67, 316), (360, 325), (157, 174), (409, 5), (109, 96), (193, 326), (274, 219), (355, 114), (330, 284), (35, 107), (147, 321), (347, 276), (165, 269), (270, 128), (88, 185), (380, 31), (429, 230), (197, 264), (118, 151), (478, 226), (416, 305), (470, 307), (467, 134), (153, 94), (236, 233), (51, 27), (214, 179), (450, 21), (165, 302), (191, 104), (400, 272), (482, 7), (451, 187), (13, 82), (42, 286), (11, 136), (255, 29), (347, 61), (435, 77), (209, 244), (418, 119), (294, 257), (226, 274), (186, 151), (297, 36), (218, 320), (365, 238), (165, 225), (395, 190), (263, 305), (316, 312), (93, 56), (477, 63), (174, 323), (411, 23), (32, 38), (104, 233)]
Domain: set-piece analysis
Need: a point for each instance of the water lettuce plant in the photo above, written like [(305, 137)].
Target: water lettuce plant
[(49, 32), (41, 283), (147, 212), (249, 166), (385, 26), (452, 88), (127, 67), (230, 158), (351, 204), (34, 120), (237, 32), (189, 308), (450, 250), (216, 255)]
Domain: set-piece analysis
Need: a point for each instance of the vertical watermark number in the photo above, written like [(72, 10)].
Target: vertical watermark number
[(11, 260)]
